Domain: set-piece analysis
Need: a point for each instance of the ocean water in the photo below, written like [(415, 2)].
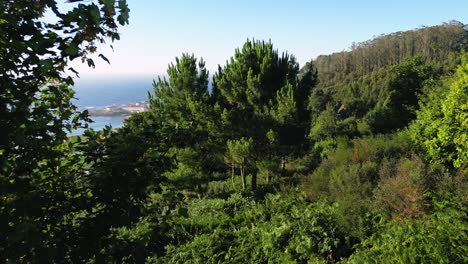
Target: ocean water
[(102, 92), (108, 91)]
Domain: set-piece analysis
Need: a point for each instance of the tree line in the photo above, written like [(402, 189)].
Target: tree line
[(434, 43)]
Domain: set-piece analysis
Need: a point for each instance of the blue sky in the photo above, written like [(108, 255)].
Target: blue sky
[(161, 30)]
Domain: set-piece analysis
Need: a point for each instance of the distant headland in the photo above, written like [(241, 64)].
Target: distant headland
[(120, 110)]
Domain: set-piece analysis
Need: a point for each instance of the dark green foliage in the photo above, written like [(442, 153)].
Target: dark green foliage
[(369, 190), (325, 125), (279, 229), (181, 102), (182, 106), (379, 82), (350, 174), (380, 102), (43, 178), (436, 43), (263, 99), (405, 86), (337, 174), (439, 238)]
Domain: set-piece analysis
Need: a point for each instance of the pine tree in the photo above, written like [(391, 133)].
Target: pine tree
[(258, 91)]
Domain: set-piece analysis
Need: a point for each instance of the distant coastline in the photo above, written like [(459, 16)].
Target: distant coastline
[(120, 109), (96, 95)]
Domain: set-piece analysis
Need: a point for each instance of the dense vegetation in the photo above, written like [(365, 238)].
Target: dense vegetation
[(359, 156)]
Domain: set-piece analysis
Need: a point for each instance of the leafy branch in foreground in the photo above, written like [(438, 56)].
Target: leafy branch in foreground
[(39, 185)]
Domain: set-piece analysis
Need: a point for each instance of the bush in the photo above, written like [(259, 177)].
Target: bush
[(278, 230), (441, 127), (440, 238), (400, 194)]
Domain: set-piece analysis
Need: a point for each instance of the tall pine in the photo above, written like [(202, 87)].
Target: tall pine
[(257, 90)]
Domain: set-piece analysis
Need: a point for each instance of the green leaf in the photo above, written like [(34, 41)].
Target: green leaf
[(46, 65), (95, 14), (72, 50), (124, 13), (109, 6)]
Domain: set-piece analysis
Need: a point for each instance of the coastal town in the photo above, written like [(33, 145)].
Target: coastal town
[(120, 110)]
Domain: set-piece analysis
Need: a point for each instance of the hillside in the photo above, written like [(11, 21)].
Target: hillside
[(375, 87), (438, 43)]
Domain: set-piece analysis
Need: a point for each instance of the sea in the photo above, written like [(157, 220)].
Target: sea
[(101, 92)]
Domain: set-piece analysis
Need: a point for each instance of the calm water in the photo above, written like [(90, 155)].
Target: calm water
[(110, 91)]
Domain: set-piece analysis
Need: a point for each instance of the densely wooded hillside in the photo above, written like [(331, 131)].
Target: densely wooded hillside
[(433, 44)]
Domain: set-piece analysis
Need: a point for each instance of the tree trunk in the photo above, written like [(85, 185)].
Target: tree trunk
[(254, 180), (243, 178), (283, 165), (268, 178), (232, 177)]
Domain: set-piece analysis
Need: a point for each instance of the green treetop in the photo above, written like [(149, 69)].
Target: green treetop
[(441, 127), (258, 90)]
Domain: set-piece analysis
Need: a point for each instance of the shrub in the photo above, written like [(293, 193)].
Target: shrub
[(401, 192), (440, 238), (278, 230)]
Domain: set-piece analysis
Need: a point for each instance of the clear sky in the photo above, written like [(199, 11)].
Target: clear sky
[(161, 30)]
